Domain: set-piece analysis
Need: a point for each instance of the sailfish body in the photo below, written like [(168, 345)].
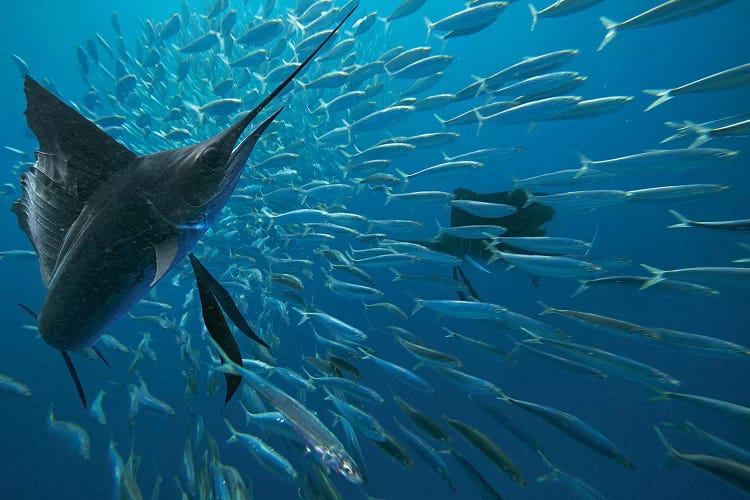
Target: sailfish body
[(108, 224), (105, 239)]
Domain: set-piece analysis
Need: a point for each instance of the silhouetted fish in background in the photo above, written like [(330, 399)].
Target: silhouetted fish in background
[(526, 221), (107, 224)]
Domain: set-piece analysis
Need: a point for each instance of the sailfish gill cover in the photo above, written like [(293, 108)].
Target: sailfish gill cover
[(494, 249)]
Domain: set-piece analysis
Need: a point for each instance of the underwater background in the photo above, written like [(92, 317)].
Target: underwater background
[(35, 464)]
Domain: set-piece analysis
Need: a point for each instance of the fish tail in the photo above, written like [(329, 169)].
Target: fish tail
[(585, 165), (247, 412), (444, 39), (305, 315), (662, 96), (671, 453), (197, 110), (482, 89), (495, 253), (534, 19), (658, 276), (430, 25), (450, 332), (699, 130), (405, 176), (700, 141), (550, 476), (397, 275), (270, 215), (386, 24), (293, 19), (440, 228), (233, 437), (480, 121), (529, 197), (262, 80), (661, 395), (545, 308), (581, 288), (388, 196), (417, 306), (365, 355), (611, 28), (442, 122), (682, 130), (535, 338), (683, 221)]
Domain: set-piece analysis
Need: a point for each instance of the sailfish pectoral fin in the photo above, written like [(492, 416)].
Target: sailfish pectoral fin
[(74, 374), (217, 326), (165, 255), (224, 299)]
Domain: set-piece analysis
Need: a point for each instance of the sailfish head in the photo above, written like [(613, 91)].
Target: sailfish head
[(213, 167), (208, 172)]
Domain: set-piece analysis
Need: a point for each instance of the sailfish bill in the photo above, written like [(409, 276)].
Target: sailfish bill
[(102, 218)]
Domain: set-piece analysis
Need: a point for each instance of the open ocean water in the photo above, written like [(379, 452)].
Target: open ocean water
[(38, 463)]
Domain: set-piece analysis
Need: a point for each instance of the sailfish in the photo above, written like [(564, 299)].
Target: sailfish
[(108, 224)]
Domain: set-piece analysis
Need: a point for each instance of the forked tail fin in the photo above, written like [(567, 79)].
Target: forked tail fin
[(682, 220), (662, 96), (534, 16), (611, 28)]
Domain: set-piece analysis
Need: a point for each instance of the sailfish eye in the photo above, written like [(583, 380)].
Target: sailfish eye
[(210, 157)]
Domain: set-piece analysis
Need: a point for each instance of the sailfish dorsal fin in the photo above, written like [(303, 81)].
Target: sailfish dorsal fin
[(89, 155), (74, 158)]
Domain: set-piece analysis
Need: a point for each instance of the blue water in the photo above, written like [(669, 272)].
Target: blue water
[(37, 465)]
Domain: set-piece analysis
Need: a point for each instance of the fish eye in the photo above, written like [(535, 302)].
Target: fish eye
[(210, 157)]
